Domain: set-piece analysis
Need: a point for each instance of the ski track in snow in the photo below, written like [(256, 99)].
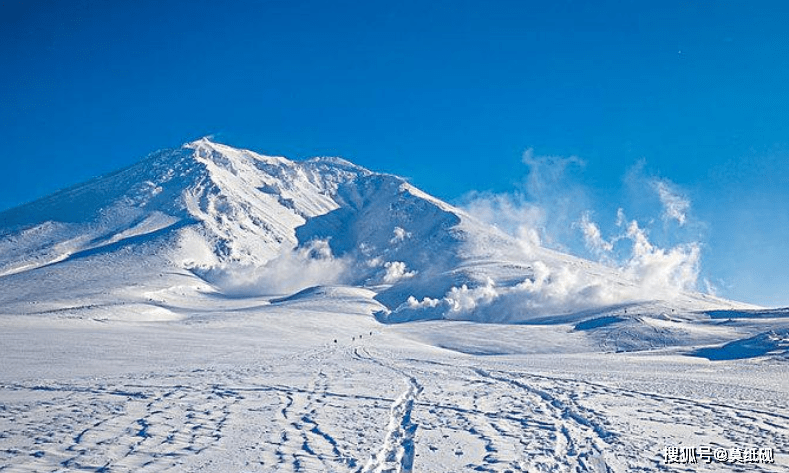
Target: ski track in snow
[(352, 415), (128, 428), (396, 454)]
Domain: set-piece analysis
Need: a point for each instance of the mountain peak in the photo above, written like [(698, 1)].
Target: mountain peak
[(205, 146), (207, 149), (205, 140)]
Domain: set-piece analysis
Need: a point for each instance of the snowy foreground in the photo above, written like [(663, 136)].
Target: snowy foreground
[(245, 385)]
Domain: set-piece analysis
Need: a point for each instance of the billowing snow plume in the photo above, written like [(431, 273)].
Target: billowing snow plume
[(548, 291), (667, 271), (396, 271), (512, 213), (593, 237), (639, 269), (290, 272), (657, 269), (674, 206), (542, 208)]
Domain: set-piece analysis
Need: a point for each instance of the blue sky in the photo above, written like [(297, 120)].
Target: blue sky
[(449, 94)]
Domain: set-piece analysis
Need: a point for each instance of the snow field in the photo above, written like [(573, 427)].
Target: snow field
[(260, 391)]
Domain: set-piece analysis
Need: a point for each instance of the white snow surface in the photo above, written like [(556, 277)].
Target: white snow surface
[(212, 309)]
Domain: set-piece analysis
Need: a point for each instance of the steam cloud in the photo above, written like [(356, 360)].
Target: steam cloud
[(549, 190), (543, 208), (593, 237), (512, 213), (292, 271), (674, 205), (396, 271)]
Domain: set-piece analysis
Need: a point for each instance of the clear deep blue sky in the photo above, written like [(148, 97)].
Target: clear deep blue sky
[(448, 93)]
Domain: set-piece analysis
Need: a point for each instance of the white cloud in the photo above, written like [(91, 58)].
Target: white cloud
[(675, 206), (541, 210), (464, 300), (546, 172), (396, 271), (290, 272), (710, 288), (620, 217), (399, 235), (653, 273), (511, 213), (547, 291), (656, 269), (666, 271), (548, 210), (593, 237), (425, 303)]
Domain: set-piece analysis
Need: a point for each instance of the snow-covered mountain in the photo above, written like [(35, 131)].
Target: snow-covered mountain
[(212, 309), (238, 223)]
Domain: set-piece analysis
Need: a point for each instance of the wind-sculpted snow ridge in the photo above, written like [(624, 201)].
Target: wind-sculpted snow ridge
[(240, 224)]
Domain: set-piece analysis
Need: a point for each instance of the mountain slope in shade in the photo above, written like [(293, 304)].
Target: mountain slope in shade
[(211, 219)]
